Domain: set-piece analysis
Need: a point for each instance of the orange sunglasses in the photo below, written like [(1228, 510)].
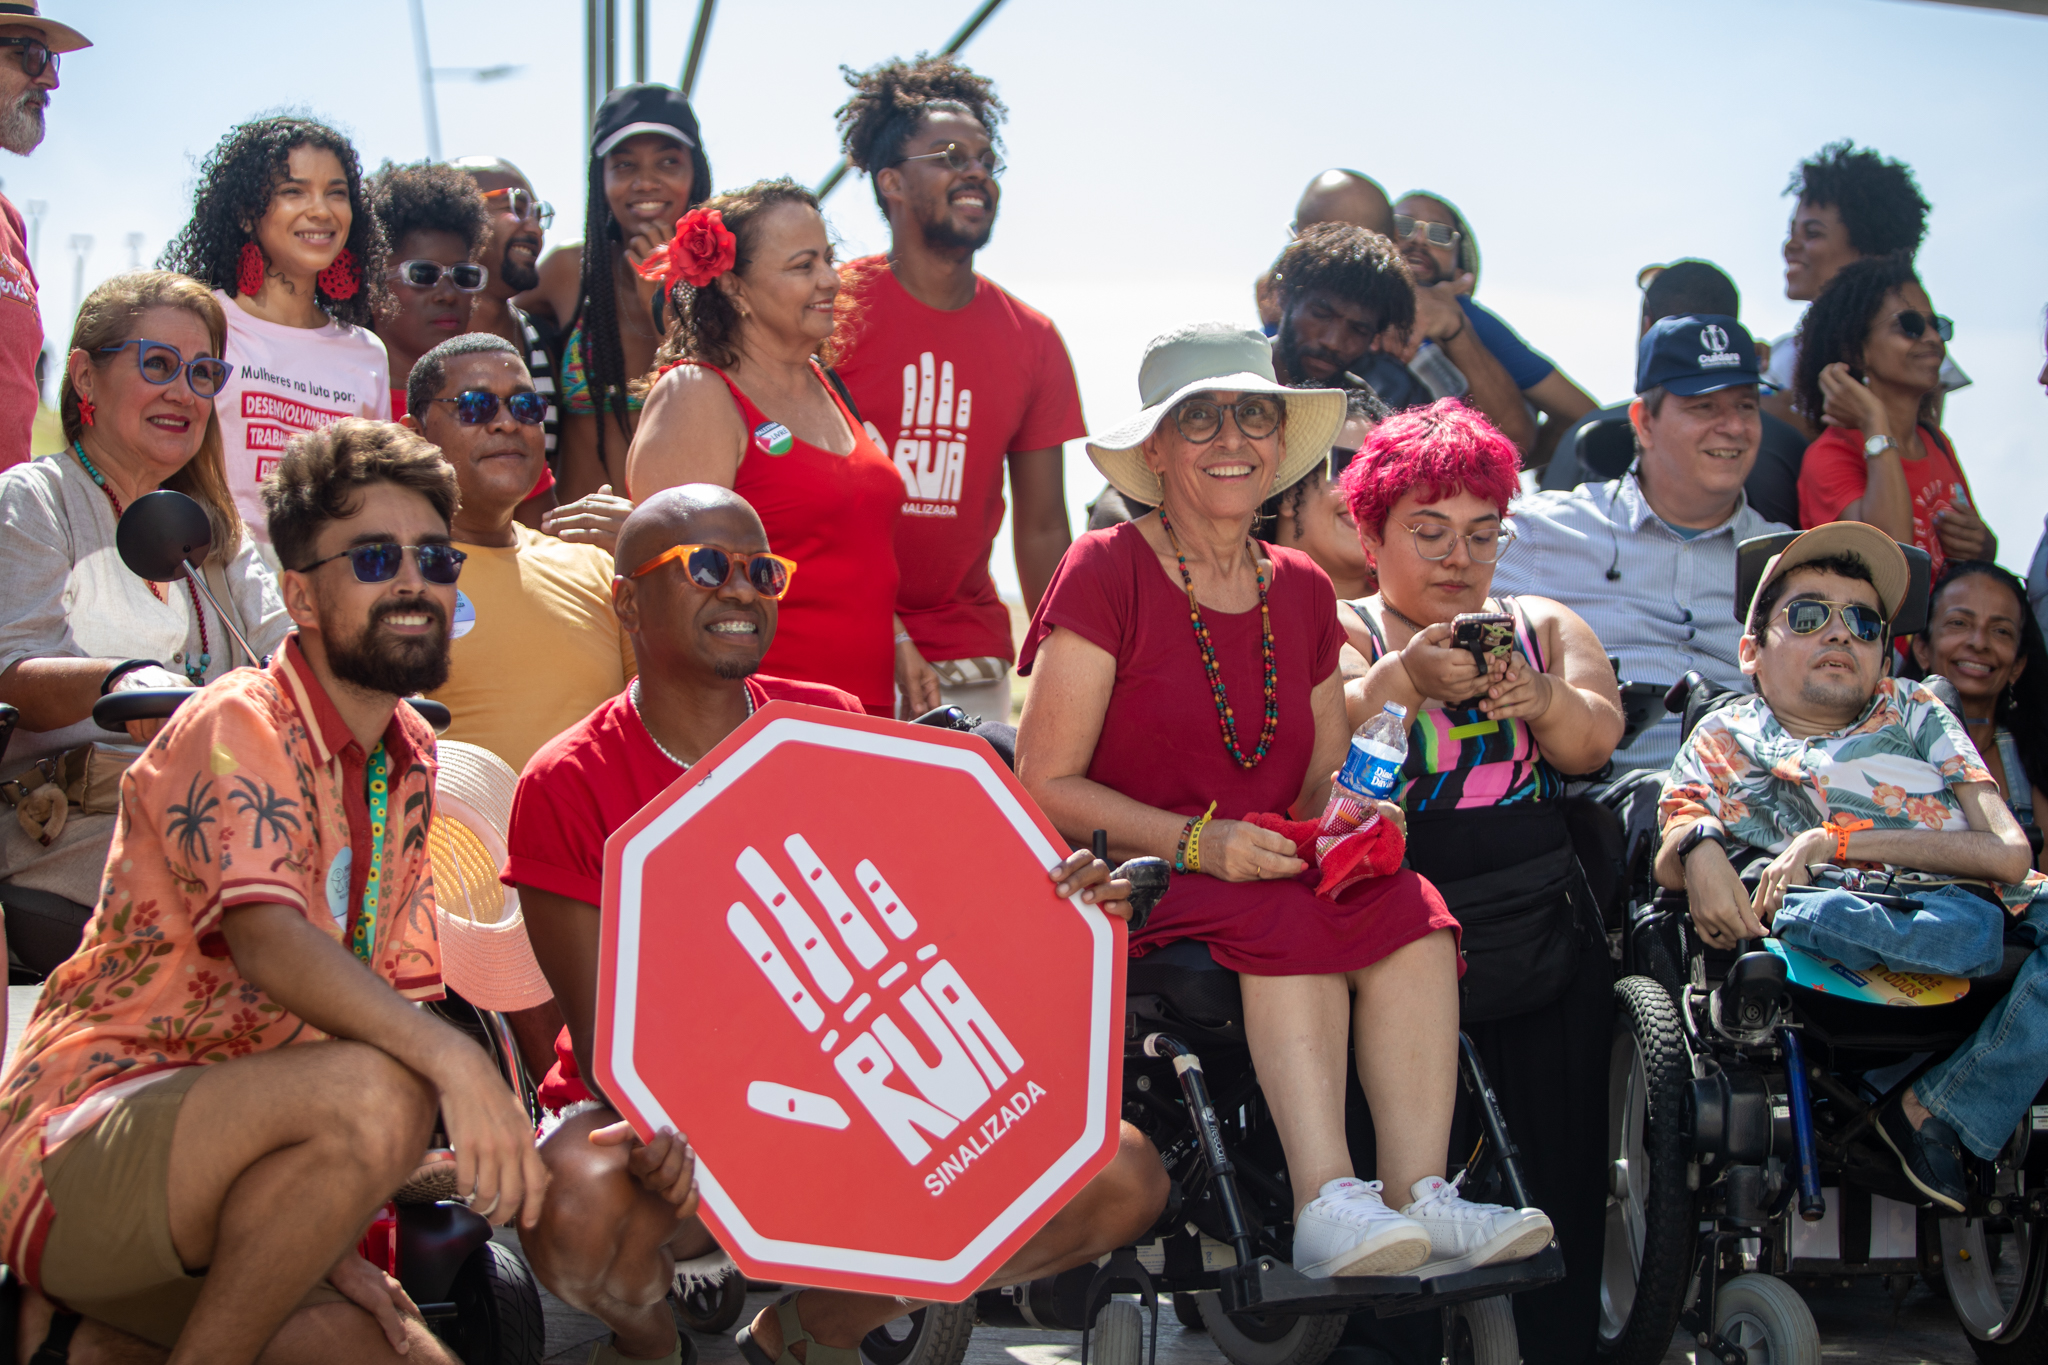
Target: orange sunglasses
[(709, 566)]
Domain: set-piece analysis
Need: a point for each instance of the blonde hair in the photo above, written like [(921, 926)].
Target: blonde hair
[(109, 317)]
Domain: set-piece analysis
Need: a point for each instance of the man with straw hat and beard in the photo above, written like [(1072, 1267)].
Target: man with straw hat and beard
[(697, 590), (1155, 636)]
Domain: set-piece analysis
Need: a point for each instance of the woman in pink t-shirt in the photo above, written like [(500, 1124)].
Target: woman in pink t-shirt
[(283, 233), (1870, 353)]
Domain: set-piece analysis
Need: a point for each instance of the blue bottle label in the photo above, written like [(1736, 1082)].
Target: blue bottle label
[(1371, 770)]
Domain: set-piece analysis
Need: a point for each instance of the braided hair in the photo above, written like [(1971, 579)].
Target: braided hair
[(1836, 327), (704, 324), (237, 181), (597, 308), (888, 100)]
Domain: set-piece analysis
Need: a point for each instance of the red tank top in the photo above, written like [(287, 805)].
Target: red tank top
[(835, 515)]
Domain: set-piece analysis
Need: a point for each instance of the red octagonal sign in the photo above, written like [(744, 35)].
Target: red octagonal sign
[(831, 956)]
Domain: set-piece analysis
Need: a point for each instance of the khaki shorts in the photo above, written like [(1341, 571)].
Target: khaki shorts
[(109, 1255)]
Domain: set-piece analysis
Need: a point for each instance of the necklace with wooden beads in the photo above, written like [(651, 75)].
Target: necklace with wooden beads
[(197, 675), (1225, 716)]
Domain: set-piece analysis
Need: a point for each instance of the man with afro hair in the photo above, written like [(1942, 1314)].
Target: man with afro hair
[(1853, 203), (956, 379)]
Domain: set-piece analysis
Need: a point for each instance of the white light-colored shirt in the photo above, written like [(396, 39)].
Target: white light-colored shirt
[(1671, 610)]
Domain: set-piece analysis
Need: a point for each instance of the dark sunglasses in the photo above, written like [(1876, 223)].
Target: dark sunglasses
[(1436, 234), (379, 562), (1200, 420), (36, 57), (958, 159), (1340, 460), (468, 277), (711, 567), (1915, 323), (522, 204), (474, 407), (161, 362), (1810, 614)]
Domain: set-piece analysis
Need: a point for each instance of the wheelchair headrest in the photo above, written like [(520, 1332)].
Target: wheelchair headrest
[(1753, 554)]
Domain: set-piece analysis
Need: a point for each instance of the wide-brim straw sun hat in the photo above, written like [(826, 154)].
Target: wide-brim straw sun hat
[(1213, 357), (485, 955)]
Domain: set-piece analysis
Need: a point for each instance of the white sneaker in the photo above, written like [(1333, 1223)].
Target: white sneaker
[(1347, 1229), (1465, 1236)]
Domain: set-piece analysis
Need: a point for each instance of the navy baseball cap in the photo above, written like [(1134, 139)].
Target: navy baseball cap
[(1696, 353)]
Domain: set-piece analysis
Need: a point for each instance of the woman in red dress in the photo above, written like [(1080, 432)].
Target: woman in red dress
[(742, 401), (1152, 637)]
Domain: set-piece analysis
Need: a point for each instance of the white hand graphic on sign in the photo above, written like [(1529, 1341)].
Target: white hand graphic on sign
[(974, 1055)]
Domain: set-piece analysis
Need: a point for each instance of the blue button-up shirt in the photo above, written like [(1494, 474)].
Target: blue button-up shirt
[(1673, 606)]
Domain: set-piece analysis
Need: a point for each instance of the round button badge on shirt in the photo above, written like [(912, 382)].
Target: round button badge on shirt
[(773, 438), (464, 620)]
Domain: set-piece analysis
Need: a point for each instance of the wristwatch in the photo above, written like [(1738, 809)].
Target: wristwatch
[(1700, 832), (1878, 445)]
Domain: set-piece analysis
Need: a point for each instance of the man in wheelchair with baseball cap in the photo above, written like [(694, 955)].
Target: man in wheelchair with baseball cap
[(1845, 777)]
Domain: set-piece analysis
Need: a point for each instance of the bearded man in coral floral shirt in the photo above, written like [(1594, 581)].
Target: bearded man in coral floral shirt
[(1833, 767), (227, 1079)]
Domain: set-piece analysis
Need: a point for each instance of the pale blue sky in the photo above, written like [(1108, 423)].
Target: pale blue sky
[(1157, 149)]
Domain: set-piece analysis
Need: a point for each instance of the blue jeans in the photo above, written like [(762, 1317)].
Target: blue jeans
[(1954, 933), (1984, 1088)]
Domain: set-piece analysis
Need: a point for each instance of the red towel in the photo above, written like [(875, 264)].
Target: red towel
[(1373, 850)]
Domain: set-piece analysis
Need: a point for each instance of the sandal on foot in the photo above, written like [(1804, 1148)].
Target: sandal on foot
[(815, 1352), (606, 1352)]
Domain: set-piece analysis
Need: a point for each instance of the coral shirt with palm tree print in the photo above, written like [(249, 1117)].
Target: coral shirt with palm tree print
[(256, 793)]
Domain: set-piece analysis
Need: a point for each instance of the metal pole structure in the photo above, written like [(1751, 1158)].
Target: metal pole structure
[(81, 247), (639, 42), (428, 112), (610, 54), (695, 60), (36, 209), (135, 241), (592, 94), (953, 45)]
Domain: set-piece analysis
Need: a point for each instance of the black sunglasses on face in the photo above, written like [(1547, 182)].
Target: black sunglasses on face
[(1810, 614), (1915, 324), (379, 562), (474, 407), (468, 277), (36, 57)]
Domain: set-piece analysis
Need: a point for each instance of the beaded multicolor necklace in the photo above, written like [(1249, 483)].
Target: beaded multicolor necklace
[(197, 675), (1225, 716)]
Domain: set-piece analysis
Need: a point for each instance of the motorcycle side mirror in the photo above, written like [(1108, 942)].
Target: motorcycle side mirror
[(161, 533)]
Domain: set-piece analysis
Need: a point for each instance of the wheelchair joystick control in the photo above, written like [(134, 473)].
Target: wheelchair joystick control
[(1750, 995)]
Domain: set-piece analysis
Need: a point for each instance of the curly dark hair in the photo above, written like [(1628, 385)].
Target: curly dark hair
[(2023, 709), (888, 100), (597, 304), (1287, 503), (1838, 323), (1354, 263), (703, 324), (1880, 202), (428, 196), (236, 182), (323, 472)]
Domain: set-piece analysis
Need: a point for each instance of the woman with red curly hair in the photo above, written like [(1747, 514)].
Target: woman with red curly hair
[(743, 401), (1495, 728)]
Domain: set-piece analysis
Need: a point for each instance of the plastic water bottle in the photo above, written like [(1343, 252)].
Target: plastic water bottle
[(1371, 772)]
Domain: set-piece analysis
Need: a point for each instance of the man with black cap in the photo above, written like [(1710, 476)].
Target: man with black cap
[(1648, 558), (28, 73), (1833, 766), (1601, 444)]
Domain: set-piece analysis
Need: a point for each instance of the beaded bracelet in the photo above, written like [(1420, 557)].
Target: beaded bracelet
[(1180, 850), (1195, 839)]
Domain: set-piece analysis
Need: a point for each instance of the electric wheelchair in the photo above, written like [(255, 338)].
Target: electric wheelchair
[(1744, 1162)]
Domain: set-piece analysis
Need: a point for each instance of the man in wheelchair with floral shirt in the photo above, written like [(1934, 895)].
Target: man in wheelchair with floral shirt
[(1845, 775)]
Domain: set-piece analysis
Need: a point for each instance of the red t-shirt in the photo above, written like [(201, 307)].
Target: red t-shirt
[(1835, 474), (21, 337), (595, 776), (948, 395)]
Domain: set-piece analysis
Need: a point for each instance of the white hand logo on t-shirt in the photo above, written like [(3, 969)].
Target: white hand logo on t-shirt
[(931, 439)]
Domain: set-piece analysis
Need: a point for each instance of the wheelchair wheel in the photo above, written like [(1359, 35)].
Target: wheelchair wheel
[(936, 1334), (1768, 1320), (713, 1307), (1483, 1333), (1996, 1272), (1650, 1223), (1119, 1334), (1188, 1313), (1269, 1338), (497, 1309)]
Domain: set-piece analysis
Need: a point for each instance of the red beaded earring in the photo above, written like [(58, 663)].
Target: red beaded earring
[(86, 409), (250, 278), (340, 280)]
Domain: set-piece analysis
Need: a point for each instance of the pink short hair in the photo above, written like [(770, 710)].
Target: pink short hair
[(1438, 450)]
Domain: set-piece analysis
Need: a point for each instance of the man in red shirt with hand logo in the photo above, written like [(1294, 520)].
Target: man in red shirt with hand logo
[(954, 377)]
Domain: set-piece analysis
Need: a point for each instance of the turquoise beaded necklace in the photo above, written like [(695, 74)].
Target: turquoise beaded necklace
[(197, 675)]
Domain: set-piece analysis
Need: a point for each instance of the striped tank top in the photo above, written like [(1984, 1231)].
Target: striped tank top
[(1458, 756)]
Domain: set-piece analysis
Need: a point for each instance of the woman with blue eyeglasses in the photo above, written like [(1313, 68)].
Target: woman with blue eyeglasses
[(138, 412)]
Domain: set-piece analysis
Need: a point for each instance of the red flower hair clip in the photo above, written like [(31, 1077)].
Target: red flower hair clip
[(702, 250)]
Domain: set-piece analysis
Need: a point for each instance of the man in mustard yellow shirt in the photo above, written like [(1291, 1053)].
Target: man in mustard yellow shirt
[(536, 647)]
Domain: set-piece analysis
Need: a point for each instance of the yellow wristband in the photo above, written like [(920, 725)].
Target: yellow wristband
[(1195, 839)]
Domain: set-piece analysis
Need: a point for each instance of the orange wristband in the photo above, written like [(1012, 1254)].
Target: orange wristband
[(1843, 829)]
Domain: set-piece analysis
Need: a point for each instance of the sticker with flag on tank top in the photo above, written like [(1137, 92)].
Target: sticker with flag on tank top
[(773, 438)]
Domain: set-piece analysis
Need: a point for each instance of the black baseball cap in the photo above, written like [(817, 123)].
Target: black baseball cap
[(1696, 353), (632, 110)]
